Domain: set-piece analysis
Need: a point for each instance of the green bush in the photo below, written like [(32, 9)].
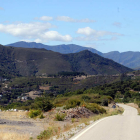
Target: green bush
[(43, 104), (138, 103), (60, 117), (104, 102), (97, 101), (85, 98), (95, 108), (45, 134), (41, 116), (34, 113), (118, 100), (72, 103)]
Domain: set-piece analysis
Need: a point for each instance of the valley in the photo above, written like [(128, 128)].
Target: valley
[(69, 70), (45, 94)]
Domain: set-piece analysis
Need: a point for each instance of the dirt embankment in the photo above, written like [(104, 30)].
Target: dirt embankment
[(78, 112)]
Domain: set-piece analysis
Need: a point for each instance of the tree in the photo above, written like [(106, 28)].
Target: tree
[(44, 104)]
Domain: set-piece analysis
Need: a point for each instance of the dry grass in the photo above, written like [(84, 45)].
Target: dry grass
[(9, 127), (67, 127), (13, 136), (13, 115), (55, 128), (45, 87), (133, 105)]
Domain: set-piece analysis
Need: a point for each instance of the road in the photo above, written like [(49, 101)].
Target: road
[(118, 127)]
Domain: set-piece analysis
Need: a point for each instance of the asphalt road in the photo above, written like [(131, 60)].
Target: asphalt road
[(118, 127)]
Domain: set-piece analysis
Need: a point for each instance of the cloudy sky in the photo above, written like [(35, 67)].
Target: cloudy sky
[(106, 25)]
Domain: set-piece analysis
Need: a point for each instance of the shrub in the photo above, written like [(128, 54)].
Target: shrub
[(72, 120), (104, 102), (109, 99), (43, 103), (137, 88), (25, 107), (138, 103), (34, 113), (85, 98), (72, 103), (60, 117), (45, 134), (41, 116), (95, 108), (97, 101)]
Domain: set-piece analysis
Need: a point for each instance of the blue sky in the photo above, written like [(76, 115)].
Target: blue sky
[(106, 25)]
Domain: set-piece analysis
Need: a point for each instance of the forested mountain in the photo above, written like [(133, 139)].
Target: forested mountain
[(129, 59), (33, 61), (92, 63)]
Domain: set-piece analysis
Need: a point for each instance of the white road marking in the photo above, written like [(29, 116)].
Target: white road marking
[(88, 128)]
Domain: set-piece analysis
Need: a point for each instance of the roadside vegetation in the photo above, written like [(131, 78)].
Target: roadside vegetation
[(95, 95), (66, 131)]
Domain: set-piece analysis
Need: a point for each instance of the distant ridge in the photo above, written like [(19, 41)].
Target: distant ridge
[(130, 59), (64, 49)]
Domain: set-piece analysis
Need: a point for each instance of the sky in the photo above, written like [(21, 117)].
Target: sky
[(106, 25)]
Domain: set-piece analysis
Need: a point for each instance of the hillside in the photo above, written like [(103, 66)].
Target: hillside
[(129, 59), (94, 64), (32, 61), (7, 63)]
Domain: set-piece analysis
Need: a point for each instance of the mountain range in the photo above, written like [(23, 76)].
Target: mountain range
[(64, 49), (34, 61), (129, 59)]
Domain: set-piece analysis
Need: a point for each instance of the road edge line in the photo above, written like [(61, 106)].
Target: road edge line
[(84, 131)]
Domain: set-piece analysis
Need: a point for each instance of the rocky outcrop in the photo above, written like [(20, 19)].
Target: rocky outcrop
[(78, 112)]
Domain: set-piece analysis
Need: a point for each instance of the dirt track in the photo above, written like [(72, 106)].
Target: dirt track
[(21, 126)]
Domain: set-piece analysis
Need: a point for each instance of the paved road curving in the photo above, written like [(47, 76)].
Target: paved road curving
[(118, 127)]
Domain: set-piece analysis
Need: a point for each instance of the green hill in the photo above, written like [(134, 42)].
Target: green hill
[(94, 64), (129, 59), (33, 61)]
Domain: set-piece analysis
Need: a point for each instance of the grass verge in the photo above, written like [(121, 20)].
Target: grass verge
[(13, 136), (64, 132), (135, 105)]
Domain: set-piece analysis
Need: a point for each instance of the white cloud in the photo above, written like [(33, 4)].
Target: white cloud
[(1, 8), (86, 20), (85, 38), (91, 34), (91, 45), (117, 24), (55, 36), (45, 18), (27, 30), (25, 40), (38, 40), (68, 19), (65, 18), (37, 31)]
